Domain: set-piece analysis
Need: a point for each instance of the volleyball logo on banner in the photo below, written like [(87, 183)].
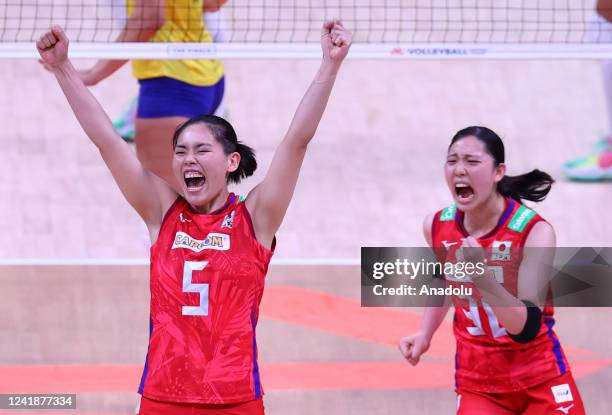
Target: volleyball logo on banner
[(383, 30)]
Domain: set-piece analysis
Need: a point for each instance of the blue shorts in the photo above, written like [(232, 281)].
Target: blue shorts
[(167, 97)]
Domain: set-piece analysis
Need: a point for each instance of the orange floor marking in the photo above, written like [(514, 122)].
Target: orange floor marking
[(344, 316), (307, 308), (370, 375)]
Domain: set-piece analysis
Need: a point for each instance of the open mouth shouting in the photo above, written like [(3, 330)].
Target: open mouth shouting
[(464, 192), (194, 180)]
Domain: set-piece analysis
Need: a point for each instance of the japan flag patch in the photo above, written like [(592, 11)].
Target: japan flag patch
[(501, 251)]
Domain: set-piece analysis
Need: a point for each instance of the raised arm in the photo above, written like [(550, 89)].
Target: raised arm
[(142, 189), (269, 200)]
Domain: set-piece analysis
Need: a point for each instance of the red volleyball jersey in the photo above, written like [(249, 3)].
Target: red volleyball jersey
[(207, 280), (487, 359)]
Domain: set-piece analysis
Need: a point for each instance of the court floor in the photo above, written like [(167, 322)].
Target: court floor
[(372, 173), (84, 330)]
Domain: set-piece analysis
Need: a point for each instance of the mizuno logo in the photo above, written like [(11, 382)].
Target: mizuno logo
[(565, 409)]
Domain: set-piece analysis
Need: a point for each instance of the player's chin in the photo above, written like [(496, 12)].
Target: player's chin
[(195, 197)]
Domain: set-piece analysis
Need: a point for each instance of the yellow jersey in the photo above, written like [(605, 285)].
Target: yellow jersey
[(183, 23)]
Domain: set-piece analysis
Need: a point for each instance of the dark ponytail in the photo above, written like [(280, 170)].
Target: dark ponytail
[(225, 135), (247, 166), (533, 186)]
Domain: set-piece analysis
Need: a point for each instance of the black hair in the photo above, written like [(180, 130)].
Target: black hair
[(533, 186), (225, 135)]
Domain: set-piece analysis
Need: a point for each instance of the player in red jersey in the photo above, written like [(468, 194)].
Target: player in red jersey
[(508, 358), (210, 249)]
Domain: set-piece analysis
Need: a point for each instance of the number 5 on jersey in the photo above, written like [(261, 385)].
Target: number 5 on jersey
[(190, 287)]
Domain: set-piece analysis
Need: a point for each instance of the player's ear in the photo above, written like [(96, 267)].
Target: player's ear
[(500, 172), (233, 161)]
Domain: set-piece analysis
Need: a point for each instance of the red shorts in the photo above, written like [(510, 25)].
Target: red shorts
[(152, 407), (558, 396)]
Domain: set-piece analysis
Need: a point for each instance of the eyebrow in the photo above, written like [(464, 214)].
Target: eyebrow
[(183, 146), (468, 155)]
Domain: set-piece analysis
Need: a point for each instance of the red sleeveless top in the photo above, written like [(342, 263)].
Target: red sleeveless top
[(207, 280), (487, 359)]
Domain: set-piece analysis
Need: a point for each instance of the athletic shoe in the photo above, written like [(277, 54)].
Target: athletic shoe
[(595, 167), (125, 125)]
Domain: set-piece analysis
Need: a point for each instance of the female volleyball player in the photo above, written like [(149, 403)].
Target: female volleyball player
[(210, 249), (508, 359), (214, 24), (171, 91)]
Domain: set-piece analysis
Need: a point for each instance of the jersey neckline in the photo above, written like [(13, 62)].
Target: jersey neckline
[(509, 207), (231, 198)]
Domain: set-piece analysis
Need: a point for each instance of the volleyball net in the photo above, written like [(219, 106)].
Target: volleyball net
[(437, 29)]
